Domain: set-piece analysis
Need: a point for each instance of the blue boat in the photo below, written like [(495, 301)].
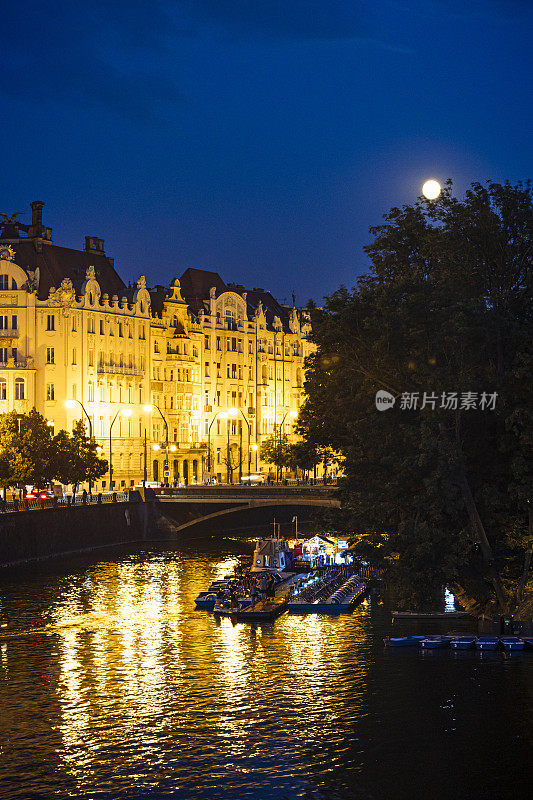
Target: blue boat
[(206, 600), (511, 643), (487, 642), (403, 641), (462, 642), (528, 642), (435, 641)]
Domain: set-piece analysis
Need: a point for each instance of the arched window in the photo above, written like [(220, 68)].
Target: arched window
[(20, 386), (175, 321), (3, 389)]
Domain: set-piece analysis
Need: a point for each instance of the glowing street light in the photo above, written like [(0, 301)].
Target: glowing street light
[(148, 408), (125, 412)]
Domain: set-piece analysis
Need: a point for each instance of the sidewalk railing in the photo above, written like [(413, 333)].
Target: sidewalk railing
[(38, 504)]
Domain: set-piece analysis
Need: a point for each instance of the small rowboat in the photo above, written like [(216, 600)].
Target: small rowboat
[(487, 642), (403, 641), (528, 641), (435, 641), (206, 600), (462, 642), (511, 643)]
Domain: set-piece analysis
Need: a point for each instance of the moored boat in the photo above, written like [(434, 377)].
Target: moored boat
[(462, 642), (511, 643), (228, 608), (432, 642), (528, 642), (403, 641), (206, 600), (487, 642)]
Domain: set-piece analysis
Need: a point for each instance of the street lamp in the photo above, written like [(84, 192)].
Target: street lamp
[(222, 415), (72, 404), (236, 411), (232, 412), (148, 408), (125, 412), (255, 448), (293, 414)]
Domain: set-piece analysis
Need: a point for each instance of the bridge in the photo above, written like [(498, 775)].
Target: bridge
[(196, 505)]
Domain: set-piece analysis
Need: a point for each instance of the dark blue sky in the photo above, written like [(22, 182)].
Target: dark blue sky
[(259, 138)]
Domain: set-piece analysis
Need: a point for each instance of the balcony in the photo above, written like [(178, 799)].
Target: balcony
[(117, 369), (22, 363), (9, 333)]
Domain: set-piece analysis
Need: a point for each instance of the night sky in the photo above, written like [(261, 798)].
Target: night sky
[(258, 138)]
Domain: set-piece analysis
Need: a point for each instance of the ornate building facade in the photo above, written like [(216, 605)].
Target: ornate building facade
[(177, 384)]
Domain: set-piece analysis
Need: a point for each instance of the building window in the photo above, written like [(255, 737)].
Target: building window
[(250, 347), (207, 369), (14, 322), (120, 329), (74, 328), (74, 357), (4, 282), (156, 346), (194, 351), (101, 327), (14, 353), (51, 322), (4, 323), (207, 342), (20, 387), (50, 391), (90, 325), (141, 332), (3, 389), (3, 355), (50, 357), (219, 343), (91, 358), (91, 392)]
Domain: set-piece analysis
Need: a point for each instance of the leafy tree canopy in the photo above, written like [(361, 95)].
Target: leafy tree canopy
[(439, 494), (31, 454)]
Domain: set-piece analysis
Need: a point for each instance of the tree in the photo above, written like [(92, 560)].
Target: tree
[(30, 454), (276, 450), (26, 449), (75, 457), (438, 494)]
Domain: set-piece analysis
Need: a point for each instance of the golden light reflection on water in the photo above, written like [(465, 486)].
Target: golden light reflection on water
[(136, 670)]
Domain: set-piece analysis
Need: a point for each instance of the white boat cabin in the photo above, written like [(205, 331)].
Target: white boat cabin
[(272, 555)]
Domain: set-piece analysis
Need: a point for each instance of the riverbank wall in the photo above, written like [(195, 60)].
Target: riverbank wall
[(28, 536)]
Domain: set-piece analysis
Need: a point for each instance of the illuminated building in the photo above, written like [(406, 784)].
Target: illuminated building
[(204, 370)]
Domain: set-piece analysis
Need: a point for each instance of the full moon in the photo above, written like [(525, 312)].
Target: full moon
[(431, 189)]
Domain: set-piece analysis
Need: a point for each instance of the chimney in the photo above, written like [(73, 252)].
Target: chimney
[(94, 245), (37, 215)]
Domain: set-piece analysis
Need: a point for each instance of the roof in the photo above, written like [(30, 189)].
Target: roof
[(196, 283), (56, 263)]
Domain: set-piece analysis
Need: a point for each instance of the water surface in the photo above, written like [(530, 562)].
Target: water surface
[(113, 686)]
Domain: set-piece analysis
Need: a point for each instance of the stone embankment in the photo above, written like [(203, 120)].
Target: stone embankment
[(27, 536)]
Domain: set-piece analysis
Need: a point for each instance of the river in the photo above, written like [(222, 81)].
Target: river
[(113, 686)]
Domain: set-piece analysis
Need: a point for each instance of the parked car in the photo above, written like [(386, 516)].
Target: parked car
[(39, 494)]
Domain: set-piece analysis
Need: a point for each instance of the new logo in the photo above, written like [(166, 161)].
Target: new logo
[(384, 400)]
